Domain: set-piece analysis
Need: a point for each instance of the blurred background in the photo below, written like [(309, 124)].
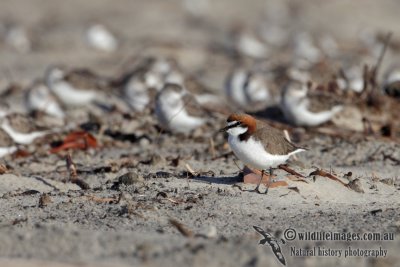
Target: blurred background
[(36, 33)]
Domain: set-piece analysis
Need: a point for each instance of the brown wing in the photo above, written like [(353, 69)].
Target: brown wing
[(196, 87), (5, 139), (274, 140), (322, 101), (192, 107), (84, 78)]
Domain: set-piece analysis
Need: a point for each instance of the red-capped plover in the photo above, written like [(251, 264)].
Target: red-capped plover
[(149, 75), (21, 129), (177, 110), (304, 109), (6, 144), (38, 98), (67, 90), (248, 90), (391, 84), (258, 144)]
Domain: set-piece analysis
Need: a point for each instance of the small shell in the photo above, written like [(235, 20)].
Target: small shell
[(100, 38)]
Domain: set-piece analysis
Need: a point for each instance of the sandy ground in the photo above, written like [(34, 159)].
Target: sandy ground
[(46, 221)]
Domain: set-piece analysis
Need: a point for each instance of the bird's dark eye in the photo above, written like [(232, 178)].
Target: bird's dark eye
[(237, 124)]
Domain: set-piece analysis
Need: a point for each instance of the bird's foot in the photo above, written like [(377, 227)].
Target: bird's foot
[(257, 189)]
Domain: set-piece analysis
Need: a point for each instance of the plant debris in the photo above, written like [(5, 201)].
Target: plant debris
[(181, 228), (76, 140)]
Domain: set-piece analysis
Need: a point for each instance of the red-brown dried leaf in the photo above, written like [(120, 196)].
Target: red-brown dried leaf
[(76, 140), (21, 154), (253, 176)]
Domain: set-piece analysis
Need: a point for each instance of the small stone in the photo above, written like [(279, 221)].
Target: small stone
[(44, 200), (144, 142), (209, 231), (157, 160), (356, 185), (130, 178), (388, 181)]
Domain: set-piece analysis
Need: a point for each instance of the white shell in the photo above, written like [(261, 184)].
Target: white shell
[(100, 38)]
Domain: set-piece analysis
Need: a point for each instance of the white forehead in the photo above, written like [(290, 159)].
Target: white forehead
[(231, 123)]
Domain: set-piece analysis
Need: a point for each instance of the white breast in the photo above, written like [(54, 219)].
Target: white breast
[(252, 153), (21, 138), (4, 151), (174, 116), (71, 96), (234, 88), (297, 112)]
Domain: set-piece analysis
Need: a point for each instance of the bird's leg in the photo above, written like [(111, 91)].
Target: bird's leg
[(271, 173), (257, 189)]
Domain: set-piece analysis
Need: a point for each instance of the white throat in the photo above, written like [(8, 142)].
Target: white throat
[(236, 131)]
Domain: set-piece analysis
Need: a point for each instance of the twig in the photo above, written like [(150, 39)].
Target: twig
[(73, 174), (387, 156), (378, 64), (323, 173), (289, 170), (181, 228), (102, 199), (190, 170), (212, 147)]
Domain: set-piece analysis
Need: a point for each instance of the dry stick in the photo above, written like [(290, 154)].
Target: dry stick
[(190, 170), (323, 173), (73, 175), (181, 228), (289, 170), (380, 59), (212, 147), (102, 200)]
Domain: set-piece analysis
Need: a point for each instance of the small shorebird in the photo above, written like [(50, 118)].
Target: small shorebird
[(70, 91), (138, 93), (177, 110), (304, 109), (7, 145), (391, 85), (258, 144), (21, 129), (39, 98), (248, 90), (140, 84)]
